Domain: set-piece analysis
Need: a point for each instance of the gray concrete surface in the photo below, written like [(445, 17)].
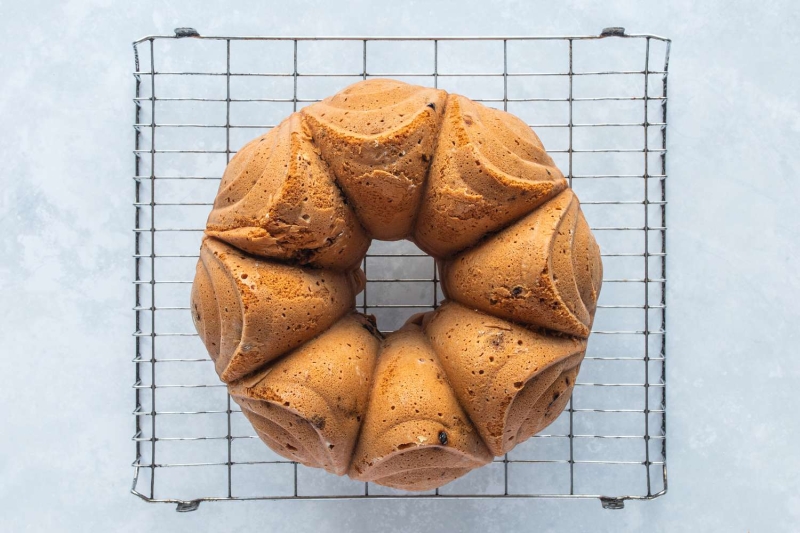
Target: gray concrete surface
[(65, 267)]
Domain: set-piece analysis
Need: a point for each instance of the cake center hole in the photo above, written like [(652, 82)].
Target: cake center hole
[(401, 282)]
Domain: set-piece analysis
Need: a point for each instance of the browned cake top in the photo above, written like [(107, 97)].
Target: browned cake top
[(274, 294)]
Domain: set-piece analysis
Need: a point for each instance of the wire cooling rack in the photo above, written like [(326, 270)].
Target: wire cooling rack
[(598, 102)]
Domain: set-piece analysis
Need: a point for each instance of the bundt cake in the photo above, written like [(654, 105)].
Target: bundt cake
[(273, 298)]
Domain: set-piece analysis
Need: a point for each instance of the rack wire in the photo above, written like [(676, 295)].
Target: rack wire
[(599, 103)]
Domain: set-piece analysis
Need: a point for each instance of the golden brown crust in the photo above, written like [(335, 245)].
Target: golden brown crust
[(278, 199), (550, 404), (308, 405), (544, 270), (453, 387), (378, 137), (488, 170), (415, 435), (263, 309), (498, 370)]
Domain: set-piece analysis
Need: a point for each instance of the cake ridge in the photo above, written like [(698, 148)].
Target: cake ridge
[(306, 422), (386, 134), (537, 146), (572, 209), (426, 180), (224, 358), (308, 455), (247, 153)]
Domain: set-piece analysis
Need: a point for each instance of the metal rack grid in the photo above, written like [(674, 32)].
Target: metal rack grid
[(598, 102)]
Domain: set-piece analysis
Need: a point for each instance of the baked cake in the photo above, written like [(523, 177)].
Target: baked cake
[(273, 298)]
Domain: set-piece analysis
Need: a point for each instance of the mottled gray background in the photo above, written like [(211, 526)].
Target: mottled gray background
[(65, 268)]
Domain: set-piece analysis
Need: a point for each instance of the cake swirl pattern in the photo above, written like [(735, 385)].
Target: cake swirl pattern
[(539, 271), (274, 294), (278, 199), (489, 169), (379, 138), (309, 405), (416, 435)]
